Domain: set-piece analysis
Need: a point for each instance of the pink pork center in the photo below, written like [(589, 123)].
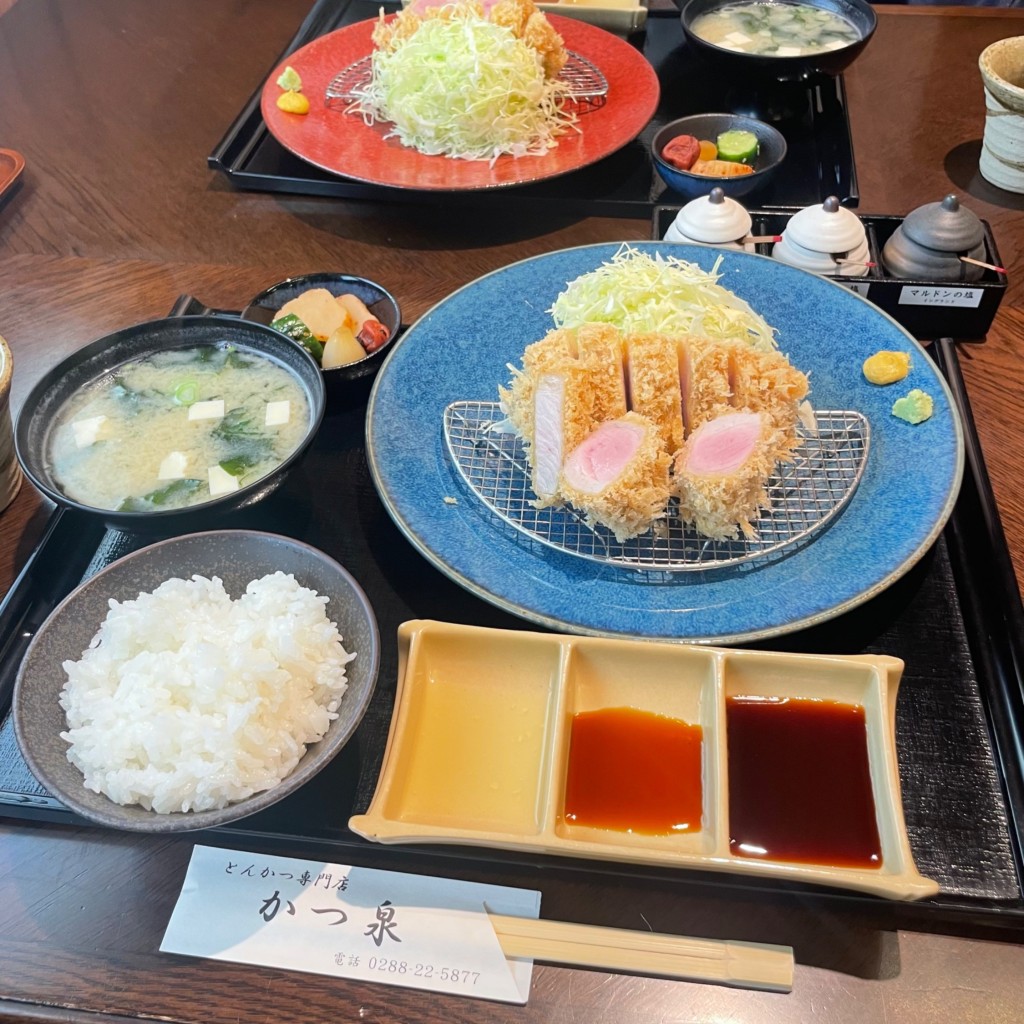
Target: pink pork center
[(602, 457), (722, 445)]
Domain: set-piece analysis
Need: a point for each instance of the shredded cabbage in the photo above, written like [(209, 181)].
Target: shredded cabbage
[(639, 293), (464, 87)]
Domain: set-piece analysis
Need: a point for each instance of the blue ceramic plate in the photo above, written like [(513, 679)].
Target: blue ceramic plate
[(459, 350)]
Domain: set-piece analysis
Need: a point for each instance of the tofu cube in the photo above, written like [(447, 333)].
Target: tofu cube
[(278, 413), (173, 467), (87, 431), (221, 481), (212, 410)]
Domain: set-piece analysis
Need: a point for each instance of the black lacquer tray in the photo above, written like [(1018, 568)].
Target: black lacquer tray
[(812, 116), (956, 619)]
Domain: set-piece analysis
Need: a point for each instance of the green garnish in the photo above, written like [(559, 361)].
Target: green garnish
[(292, 326), (235, 424), (289, 79), (186, 393), (159, 498), (238, 465), (246, 438), (237, 361)]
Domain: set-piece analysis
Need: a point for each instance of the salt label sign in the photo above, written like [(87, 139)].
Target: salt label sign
[(940, 295), (350, 922)]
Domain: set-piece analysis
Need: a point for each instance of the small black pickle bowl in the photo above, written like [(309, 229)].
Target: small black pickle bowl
[(264, 308), (39, 415), (766, 66), (771, 152)]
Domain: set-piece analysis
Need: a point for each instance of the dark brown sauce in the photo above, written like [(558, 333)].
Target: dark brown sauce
[(800, 782), (634, 771)]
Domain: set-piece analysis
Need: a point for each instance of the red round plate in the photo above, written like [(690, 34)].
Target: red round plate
[(343, 144)]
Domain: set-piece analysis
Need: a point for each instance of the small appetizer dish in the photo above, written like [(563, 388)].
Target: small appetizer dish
[(346, 323), (732, 152), (783, 39), (163, 424), (196, 681)]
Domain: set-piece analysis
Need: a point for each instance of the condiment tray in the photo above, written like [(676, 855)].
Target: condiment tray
[(927, 309), (478, 752)]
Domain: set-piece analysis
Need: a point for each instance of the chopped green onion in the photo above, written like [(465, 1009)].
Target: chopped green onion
[(186, 393)]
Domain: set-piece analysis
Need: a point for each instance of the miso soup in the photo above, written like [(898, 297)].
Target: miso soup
[(775, 29), (177, 428)]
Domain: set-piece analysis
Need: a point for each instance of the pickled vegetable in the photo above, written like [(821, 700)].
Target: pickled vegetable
[(291, 325), (681, 152), (708, 150), (721, 168), (342, 347), (738, 146)]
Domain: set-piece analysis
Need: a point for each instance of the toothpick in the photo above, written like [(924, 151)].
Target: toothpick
[(757, 239), (855, 263), (987, 266)]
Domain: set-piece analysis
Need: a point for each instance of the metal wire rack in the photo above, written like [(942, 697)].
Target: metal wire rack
[(587, 87), (805, 495)]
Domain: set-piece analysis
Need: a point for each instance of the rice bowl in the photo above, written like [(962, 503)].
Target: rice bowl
[(186, 700), (238, 557)]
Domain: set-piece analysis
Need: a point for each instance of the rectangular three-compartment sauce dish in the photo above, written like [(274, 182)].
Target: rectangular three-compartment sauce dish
[(712, 759)]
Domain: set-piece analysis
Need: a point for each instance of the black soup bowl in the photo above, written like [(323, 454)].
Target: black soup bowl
[(767, 66), (40, 415)]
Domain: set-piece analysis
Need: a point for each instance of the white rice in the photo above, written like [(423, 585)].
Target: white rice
[(187, 700)]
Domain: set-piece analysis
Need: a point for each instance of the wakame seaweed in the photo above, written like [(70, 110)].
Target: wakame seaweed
[(163, 496)]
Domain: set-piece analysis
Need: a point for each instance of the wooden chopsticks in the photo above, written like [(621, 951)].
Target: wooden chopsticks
[(740, 964)]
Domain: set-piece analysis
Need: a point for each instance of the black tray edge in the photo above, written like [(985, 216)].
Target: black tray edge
[(996, 629), (239, 137), (991, 602)]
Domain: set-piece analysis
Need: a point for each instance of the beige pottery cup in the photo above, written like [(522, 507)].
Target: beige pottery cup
[(1002, 152), (10, 470)]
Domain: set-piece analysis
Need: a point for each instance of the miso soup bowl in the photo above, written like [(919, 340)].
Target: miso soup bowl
[(40, 414), (831, 62)]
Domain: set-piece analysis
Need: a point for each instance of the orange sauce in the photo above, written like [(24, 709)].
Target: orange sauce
[(634, 771), (800, 782)]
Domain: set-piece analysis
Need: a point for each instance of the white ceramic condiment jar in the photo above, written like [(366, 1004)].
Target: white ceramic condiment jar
[(714, 219), (826, 239)]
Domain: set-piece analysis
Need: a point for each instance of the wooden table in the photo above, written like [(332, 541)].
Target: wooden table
[(115, 105)]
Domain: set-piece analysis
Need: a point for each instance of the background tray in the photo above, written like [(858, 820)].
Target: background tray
[(956, 619), (813, 118)]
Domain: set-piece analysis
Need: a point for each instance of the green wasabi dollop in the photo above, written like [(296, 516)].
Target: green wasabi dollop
[(915, 407)]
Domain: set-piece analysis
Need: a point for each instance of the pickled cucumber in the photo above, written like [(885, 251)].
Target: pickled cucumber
[(737, 147)]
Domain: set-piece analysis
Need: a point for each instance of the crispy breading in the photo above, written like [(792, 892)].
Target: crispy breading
[(654, 389), (676, 385), (547, 42), (631, 503), (513, 14)]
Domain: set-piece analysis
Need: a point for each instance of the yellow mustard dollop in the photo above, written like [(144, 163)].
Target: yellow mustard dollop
[(886, 367), (293, 103)]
